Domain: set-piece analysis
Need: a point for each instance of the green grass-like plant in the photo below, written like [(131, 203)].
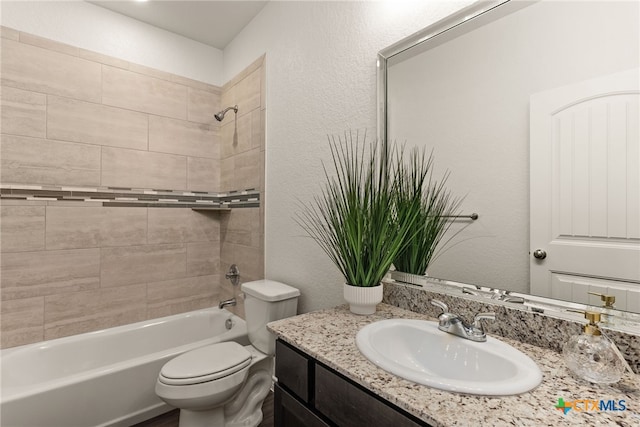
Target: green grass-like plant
[(419, 195), (353, 219)]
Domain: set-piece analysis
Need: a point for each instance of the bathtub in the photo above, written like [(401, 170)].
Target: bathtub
[(103, 378)]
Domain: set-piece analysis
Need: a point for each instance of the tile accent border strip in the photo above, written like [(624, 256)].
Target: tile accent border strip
[(132, 197)]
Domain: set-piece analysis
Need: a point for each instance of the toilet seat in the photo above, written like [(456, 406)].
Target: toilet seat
[(205, 364)]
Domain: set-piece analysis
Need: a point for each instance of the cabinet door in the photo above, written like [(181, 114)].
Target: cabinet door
[(288, 412), (349, 406), (292, 370)]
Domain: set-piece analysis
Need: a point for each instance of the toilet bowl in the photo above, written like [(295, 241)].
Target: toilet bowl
[(224, 384)]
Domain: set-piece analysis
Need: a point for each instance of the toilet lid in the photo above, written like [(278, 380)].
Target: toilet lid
[(206, 364)]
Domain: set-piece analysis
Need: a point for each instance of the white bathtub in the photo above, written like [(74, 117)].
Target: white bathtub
[(103, 378)]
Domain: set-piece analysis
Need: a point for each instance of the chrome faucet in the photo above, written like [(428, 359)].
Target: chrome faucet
[(453, 324), (468, 291), (509, 298), (224, 303), (506, 296)]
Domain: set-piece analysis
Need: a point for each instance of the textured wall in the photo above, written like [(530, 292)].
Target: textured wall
[(76, 118), (321, 79), (91, 27)]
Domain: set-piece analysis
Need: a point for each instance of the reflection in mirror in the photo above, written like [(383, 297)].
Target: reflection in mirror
[(533, 109), (623, 321)]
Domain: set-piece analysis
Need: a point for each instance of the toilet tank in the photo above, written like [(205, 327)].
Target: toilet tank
[(266, 301)]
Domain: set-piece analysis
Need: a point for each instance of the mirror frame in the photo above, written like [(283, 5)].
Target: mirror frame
[(436, 33), (473, 16)]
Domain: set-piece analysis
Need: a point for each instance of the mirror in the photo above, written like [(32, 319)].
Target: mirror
[(463, 87)]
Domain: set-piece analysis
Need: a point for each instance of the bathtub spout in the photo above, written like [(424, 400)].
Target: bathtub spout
[(226, 302)]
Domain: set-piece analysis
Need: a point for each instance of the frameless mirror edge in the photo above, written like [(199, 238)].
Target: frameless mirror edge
[(556, 308)]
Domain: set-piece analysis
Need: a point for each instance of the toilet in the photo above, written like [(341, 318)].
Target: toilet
[(225, 384)]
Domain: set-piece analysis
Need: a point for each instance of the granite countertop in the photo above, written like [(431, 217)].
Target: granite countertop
[(329, 336)]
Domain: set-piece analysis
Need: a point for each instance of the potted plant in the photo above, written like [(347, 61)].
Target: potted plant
[(419, 195), (353, 220)]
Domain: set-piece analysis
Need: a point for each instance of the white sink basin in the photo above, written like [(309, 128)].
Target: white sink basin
[(418, 351)]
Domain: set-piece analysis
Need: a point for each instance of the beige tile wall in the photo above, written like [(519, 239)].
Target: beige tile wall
[(97, 118), (78, 118), (242, 148)]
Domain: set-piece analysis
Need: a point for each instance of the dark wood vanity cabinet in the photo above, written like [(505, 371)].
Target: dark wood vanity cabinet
[(310, 394)]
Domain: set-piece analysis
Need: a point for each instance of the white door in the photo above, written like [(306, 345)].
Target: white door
[(585, 191)]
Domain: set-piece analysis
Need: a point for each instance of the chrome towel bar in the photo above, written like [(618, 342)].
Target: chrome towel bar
[(472, 216)]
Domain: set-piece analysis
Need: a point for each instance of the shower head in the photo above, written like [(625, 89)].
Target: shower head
[(221, 114)]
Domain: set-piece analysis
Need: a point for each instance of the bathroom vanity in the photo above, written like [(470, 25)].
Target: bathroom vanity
[(323, 380), (308, 392)]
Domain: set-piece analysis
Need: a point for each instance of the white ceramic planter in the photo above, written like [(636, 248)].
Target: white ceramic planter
[(413, 279), (363, 300)]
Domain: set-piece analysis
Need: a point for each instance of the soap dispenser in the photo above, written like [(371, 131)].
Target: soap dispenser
[(592, 355), (608, 302)]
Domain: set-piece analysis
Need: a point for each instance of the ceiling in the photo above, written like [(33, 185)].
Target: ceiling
[(214, 23)]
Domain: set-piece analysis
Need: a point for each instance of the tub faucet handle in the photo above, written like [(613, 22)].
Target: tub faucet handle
[(233, 275)]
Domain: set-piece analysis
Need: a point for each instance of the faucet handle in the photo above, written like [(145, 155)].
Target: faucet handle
[(477, 328), (490, 316), (469, 291), (445, 319), (440, 304)]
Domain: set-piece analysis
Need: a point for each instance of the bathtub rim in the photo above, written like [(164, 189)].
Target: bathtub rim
[(10, 394)]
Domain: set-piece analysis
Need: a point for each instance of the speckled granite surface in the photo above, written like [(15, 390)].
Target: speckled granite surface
[(329, 336), (541, 330)]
